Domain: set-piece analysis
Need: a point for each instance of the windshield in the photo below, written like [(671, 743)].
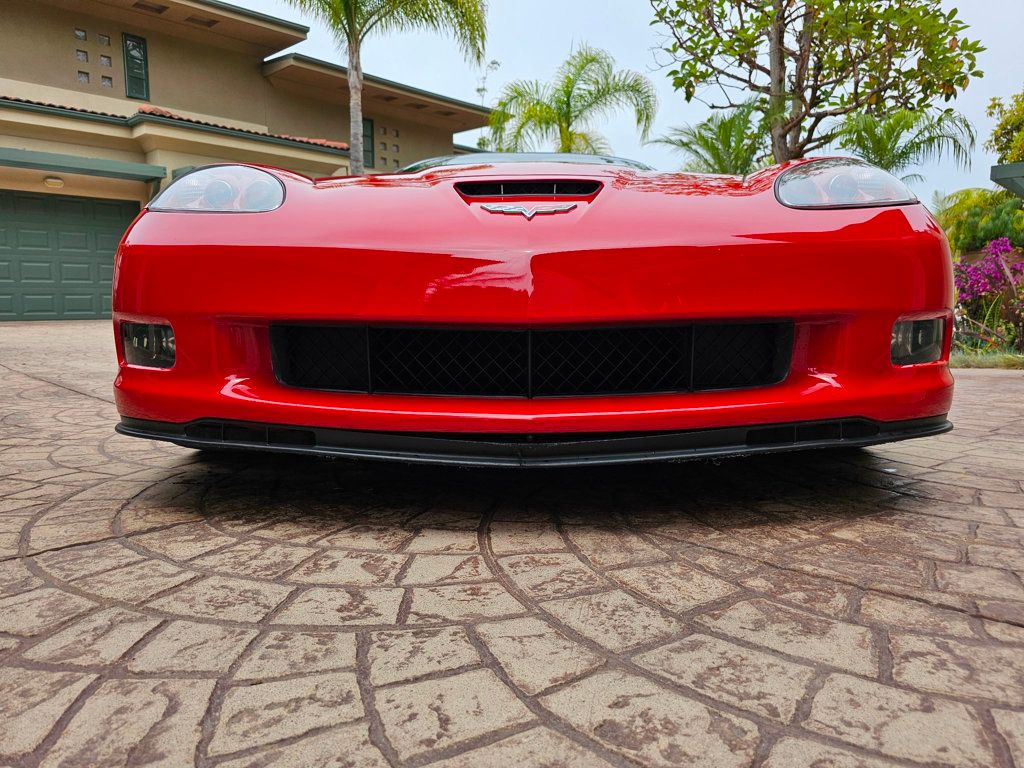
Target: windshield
[(488, 158)]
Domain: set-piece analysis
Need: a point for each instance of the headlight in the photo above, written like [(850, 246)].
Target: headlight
[(222, 188), (840, 183)]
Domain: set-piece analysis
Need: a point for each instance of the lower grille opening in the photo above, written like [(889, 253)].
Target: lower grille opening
[(247, 434), (828, 430), (532, 363), (848, 429), (205, 431), (302, 437), (771, 436), (240, 434), (859, 428)]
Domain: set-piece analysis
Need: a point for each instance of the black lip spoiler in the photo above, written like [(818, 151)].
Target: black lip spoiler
[(534, 450)]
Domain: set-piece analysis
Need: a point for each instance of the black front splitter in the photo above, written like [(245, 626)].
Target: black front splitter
[(534, 450)]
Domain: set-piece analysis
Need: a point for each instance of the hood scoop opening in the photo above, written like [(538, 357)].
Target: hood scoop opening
[(558, 188)]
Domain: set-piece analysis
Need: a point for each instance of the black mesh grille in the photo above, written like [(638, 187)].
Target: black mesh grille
[(613, 360), (321, 357), (729, 356), (449, 362), (559, 188), (532, 363)]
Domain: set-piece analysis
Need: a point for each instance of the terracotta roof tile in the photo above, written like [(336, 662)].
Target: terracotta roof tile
[(61, 106), (149, 109)]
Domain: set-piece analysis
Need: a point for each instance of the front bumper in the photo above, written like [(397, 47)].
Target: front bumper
[(535, 450), (841, 278), (840, 370)]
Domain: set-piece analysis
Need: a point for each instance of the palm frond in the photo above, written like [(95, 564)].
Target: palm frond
[(953, 209), (587, 143), (618, 90), (352, 21), (728, 143), (586, 87), (523, 117), (912, 178), (464, 20), (336, 15), (905, 139)]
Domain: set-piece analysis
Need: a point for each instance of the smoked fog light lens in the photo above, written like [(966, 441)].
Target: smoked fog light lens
[(917, 341), (151, 346)]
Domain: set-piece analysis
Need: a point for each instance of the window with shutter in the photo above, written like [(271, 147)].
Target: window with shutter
[(136, 68), (368, 148)]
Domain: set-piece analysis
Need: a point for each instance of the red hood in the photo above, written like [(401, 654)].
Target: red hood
[(621, 177), (647, 244), (425, 212)]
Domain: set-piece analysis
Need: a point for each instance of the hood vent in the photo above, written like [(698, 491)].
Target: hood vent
[(556, 188)]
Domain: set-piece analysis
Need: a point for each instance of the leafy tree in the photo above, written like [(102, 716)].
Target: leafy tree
[(907, 138), (727, 142), (810, 63), (352, 21), (1007, 139), (561, 113), (974, 217)]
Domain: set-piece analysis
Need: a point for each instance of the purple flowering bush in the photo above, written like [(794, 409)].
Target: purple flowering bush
[(987, 277), (991, 293)]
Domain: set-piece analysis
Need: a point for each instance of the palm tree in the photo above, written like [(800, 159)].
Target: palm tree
[(561, 113), (906, 138), (352, 21), (973, 217), (727, 142)]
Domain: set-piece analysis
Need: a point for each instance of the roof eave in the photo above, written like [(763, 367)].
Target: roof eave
[(1010, 176), (53, 162), (264, 34), (283, 24), (276, 64)]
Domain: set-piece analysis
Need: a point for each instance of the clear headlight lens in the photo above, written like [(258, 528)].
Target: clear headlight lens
[(222, 188), (840, 183)]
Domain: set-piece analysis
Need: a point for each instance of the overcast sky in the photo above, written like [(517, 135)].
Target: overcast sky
[(532, 37)]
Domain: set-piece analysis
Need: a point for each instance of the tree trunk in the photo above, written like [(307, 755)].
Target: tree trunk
[(355, 109), (564, 139), (777, 75)]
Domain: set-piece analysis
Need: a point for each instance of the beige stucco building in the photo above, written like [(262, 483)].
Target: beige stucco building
[(104, 101)]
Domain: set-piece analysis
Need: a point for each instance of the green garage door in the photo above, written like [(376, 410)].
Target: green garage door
[(57, 254)]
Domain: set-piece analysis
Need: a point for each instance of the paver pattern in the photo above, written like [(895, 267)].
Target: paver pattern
[(163, 607)]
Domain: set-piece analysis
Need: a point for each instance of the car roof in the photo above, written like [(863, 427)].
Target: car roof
[(495, 158)]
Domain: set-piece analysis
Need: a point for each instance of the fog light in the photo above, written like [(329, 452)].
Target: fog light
[(917, 341), (148, 345)]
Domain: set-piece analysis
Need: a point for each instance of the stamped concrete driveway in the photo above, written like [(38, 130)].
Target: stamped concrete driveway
[(162, 607)]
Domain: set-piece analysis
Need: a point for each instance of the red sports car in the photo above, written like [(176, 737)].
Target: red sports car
[(534, 310)]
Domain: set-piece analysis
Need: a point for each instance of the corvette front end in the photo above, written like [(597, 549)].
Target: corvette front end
[(533, 313)]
